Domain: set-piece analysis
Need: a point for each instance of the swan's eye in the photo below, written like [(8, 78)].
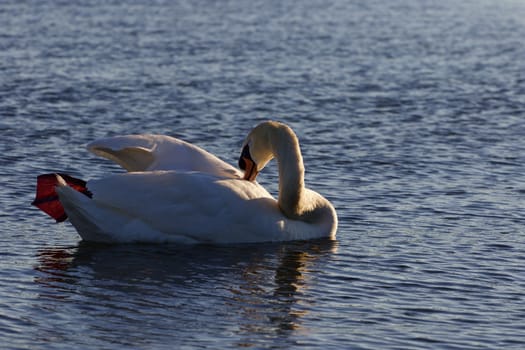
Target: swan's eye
[(244, 155)]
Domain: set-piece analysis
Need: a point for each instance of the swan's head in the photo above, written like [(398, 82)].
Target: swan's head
[(257, 149)]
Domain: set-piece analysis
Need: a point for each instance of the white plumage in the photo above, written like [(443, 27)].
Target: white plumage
[(177, 192)]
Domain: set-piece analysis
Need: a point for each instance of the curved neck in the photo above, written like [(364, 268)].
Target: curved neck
[(291, 172)]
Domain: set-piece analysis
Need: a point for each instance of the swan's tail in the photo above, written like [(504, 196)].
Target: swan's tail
[(47, 198)]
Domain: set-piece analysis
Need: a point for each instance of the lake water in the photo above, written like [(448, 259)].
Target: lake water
[(411, 117)]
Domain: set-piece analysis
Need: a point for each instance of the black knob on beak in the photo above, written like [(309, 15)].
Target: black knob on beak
[(244, 155)]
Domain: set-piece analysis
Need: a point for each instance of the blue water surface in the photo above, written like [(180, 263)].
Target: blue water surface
[(411, 117)]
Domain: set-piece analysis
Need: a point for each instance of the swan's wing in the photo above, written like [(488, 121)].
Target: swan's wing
[(159, 152), (171, 206)]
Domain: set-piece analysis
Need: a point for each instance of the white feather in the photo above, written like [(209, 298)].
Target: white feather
[(160, 152), (177, 192)]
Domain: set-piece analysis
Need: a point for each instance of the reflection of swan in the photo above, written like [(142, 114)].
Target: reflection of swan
[(252, 289), (201, 199)]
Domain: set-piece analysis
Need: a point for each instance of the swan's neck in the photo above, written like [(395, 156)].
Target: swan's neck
[(291, 173)]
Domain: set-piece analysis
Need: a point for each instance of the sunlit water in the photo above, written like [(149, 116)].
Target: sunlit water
[(411, 116)]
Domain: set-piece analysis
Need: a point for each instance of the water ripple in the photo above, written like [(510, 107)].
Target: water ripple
[(410, 116)]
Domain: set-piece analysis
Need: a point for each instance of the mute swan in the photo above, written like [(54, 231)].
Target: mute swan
[(177, 192)]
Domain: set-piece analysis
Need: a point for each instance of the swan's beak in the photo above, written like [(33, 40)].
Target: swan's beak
[(250, 173), (247, 164)]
